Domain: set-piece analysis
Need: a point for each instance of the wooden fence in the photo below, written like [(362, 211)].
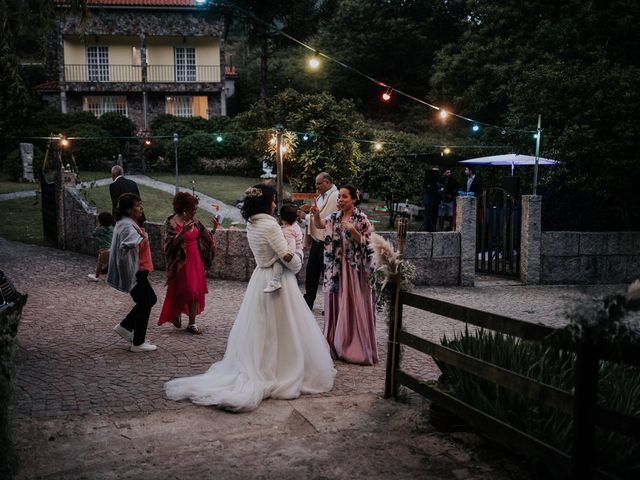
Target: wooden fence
[(582, 404)]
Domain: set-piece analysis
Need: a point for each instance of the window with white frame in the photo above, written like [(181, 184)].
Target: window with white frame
[(185, 60), (187, 106), (99, 105), (98, 63)]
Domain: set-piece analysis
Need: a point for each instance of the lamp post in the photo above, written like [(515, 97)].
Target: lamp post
[(535, 168), (279, 163), (175, 151)]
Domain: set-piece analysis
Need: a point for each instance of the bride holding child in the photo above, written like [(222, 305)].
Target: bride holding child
[(275, 348)]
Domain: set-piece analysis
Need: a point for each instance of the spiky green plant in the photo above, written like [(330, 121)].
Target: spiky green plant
[(619, 390)]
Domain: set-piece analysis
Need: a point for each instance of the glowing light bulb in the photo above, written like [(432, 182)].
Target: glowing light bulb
[(377, 146), (535, 135), (443, 114), (219, 139), (147, 142), (314, 63), (386, 96), (64, 142), (475, 127), (446, 151), (305, 137)]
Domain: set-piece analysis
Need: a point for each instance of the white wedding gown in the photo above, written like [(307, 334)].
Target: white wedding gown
[(275, 348)]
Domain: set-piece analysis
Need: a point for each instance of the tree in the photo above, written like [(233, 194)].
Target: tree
[(329, 125), (575, 63), (262, 23)]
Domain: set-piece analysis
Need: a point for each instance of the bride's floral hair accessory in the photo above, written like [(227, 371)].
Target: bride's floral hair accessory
[(252, 192)]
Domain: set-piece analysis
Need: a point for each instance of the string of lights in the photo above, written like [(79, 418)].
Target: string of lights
[(314, 64)]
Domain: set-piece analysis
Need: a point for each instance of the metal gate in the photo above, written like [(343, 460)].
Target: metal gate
[(498, 233), (50, 166)]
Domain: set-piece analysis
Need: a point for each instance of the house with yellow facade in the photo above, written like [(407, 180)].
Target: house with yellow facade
[(140, 58)]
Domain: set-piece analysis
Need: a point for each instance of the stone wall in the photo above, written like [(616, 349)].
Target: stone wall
[(590, 258), (435, 255)]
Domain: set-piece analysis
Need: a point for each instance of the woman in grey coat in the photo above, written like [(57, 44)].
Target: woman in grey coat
[(129, 267)]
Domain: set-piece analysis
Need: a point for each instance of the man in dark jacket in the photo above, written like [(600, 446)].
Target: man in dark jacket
[(122, 185)]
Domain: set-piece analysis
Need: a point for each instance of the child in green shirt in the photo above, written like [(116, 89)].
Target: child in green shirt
[(103, 234)]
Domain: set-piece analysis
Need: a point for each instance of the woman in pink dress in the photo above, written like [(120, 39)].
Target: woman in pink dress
[(349, 300), (189, 249)]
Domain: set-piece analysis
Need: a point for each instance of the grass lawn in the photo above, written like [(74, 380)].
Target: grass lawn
[(157, 204), (22, 221), (7, 186), (226, 188)]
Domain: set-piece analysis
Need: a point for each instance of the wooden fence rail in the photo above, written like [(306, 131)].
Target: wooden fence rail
[(581, 405)]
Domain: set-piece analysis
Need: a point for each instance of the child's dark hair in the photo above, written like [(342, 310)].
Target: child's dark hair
[(289, 213), (105, 219)]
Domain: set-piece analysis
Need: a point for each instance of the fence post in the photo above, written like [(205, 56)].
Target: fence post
[(531, 239), (584, 403), (395, 322), (466, 226)]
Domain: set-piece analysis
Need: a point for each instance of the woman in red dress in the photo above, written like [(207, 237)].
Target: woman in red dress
[(189, 249)]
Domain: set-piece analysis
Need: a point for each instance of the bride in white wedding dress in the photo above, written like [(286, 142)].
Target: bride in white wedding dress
[(275, 348)]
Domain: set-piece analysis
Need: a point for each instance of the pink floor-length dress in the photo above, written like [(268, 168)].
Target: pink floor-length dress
[(349, 317), (190, 283)]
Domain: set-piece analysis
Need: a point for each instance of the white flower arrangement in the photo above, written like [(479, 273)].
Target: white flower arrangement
[(388, 265)]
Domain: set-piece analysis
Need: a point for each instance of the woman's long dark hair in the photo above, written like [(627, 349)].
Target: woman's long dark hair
[(257, 199), (126, 201)]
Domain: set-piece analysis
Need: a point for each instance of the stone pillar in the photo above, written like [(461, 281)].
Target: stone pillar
[(466, 227), (530, 239)]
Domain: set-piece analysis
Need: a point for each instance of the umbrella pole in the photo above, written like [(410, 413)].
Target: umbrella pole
[(535, 168)]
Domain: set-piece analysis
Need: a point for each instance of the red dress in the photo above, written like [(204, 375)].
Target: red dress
[(190, 283)]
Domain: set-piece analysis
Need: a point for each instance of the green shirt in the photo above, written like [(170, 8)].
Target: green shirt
[(103, 234)]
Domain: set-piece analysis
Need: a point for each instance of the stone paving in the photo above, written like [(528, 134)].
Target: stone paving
[(70, 364)]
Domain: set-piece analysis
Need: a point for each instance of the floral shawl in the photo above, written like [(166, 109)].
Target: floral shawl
[(175, 252), (358, 255)]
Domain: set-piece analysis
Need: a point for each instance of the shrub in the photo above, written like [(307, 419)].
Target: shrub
[(619, 389), (97, 151), (117, 125)]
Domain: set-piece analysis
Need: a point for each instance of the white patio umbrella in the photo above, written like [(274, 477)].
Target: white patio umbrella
[(512, 159)]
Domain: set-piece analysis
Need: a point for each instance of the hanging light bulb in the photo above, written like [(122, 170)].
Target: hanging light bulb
[(535, 135), (314, 62), (475, 127), (446, 150), (305, 137), (147, 142), (64, 142), (377, 146), (443, 114), (386, 96), (219, 139)]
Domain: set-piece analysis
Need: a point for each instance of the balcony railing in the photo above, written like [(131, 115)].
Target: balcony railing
[(183, 73), (104, 73)]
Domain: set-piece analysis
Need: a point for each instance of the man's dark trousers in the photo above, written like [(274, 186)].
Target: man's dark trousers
[(315, 267)]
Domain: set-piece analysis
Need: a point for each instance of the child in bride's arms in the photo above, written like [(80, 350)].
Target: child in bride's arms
[(293, 234)]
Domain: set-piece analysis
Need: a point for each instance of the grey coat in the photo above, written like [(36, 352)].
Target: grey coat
[(123, 261)]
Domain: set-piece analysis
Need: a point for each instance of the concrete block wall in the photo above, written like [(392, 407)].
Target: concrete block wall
[(435, 255), (588, 258)]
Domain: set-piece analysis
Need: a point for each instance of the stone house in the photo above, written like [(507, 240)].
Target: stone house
[(140, 58)]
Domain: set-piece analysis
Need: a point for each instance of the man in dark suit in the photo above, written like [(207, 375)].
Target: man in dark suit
[(474, 184), (122, 185)]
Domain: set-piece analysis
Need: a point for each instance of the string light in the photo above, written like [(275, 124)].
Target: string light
[(147, 142), (64, 142), (377, 146), (316, 64), (219, 139), (443, 114), (446, 150), (305, 137), (475, 127), (386, 96)]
